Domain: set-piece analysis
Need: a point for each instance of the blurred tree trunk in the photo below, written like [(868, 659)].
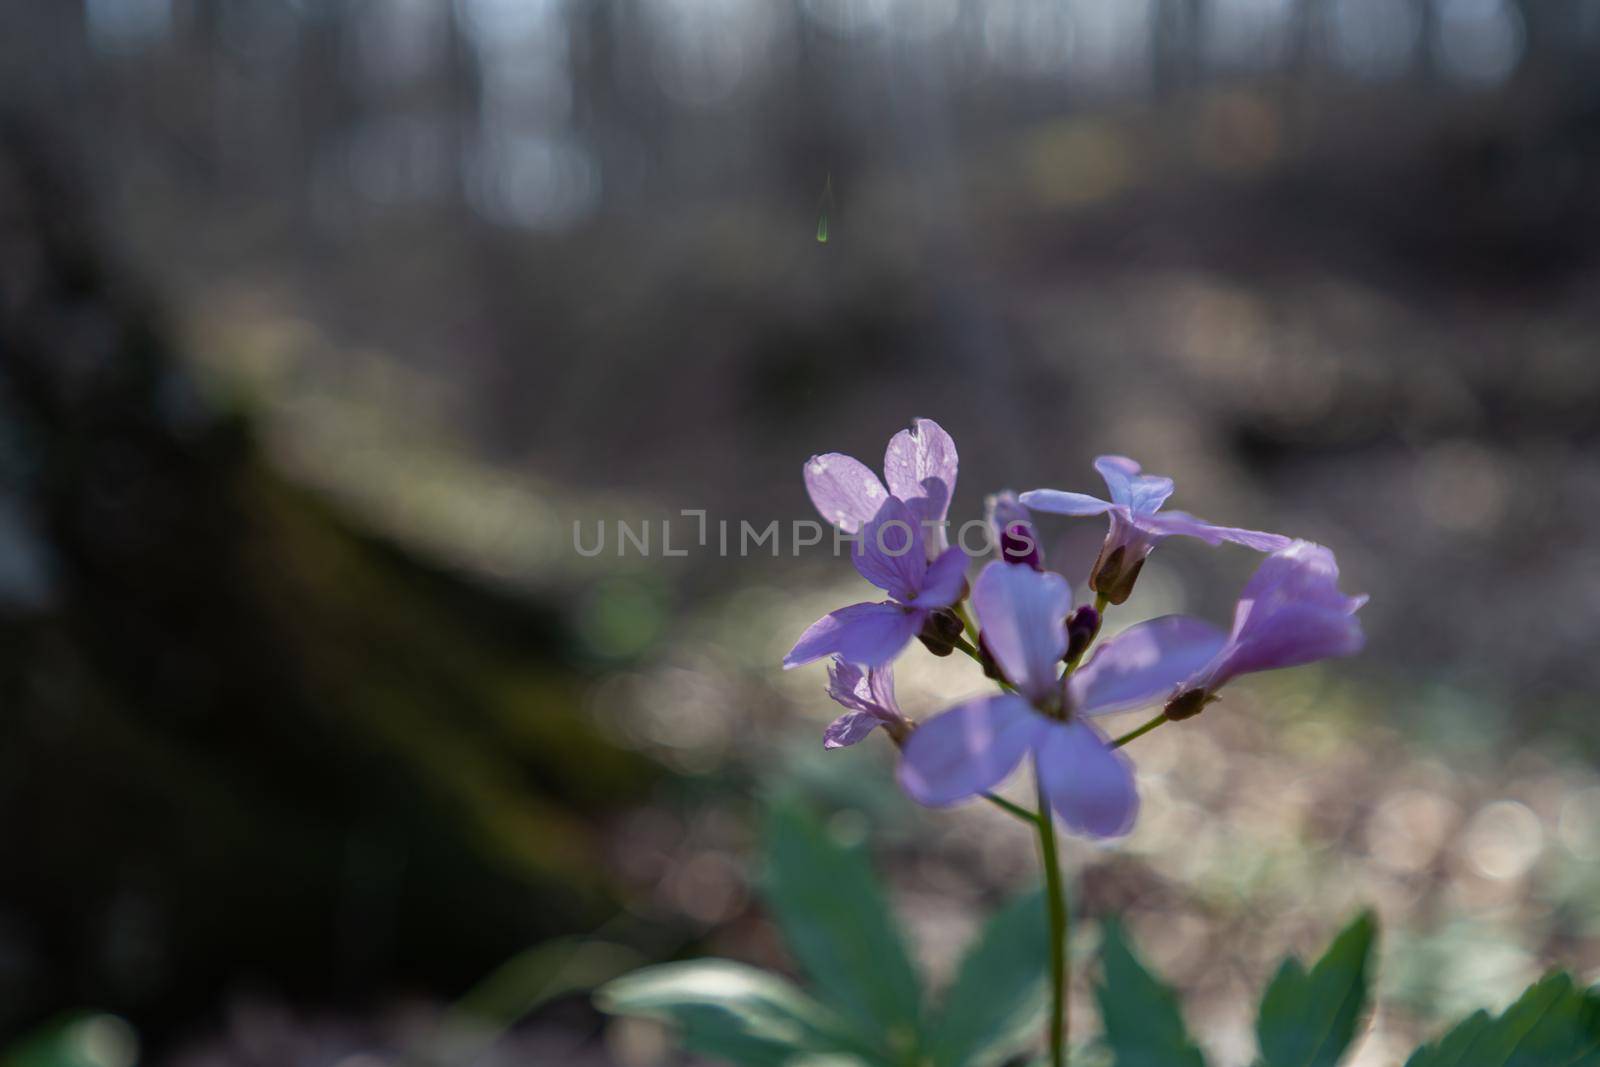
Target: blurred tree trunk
[(241, 737), (1177, 38)]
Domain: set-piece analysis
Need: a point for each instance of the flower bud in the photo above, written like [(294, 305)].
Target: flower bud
[(939, 633), (1113, 576), (1014, 536), (1019, 544), (1187, 704), (1082, 625)]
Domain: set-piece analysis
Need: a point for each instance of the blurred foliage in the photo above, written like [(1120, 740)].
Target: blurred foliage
[(80, 1040), (837, 922), (1554, 1022), (1313, 1019), (1142, 1019), (1309, 1018), (868, 1007), (845, 942)]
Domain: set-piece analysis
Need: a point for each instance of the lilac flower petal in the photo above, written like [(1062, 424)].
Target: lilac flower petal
[(847, 685), (1300, 633), (849, 728), (870, 691), (1022, 613), (1143, 494), (1144, 663), (1119, 467), (1183, 524), (1002, 509), (1057, 502), (946, 578), (880, 685), (844, 489), (1291, 612), (920, 466), (870, 634), (1129, 530), (970, 748), (889, 551), (1089, 785), (1302, 572)]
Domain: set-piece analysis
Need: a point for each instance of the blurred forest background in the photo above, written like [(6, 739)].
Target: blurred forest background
[(322, 321)]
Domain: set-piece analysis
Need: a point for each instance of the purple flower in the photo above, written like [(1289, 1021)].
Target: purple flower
[(974, 746), (920, 466), (1014, 536), (869, 697), (890, 554), (1290, 613), (1137, 523)]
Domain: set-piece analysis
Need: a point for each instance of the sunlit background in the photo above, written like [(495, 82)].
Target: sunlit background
[(323, 321)]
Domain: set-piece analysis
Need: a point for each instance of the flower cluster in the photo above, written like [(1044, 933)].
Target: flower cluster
[(1055, 681)]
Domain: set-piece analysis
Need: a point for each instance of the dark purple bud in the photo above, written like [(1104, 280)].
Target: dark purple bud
[(1082, 625), (949, 623), (1187, 704), (939, 633), (1014, 534), (1019, 544)]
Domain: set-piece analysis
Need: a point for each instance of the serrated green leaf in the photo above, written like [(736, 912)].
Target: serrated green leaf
[(1143, 1024), (837, 923), (734, 1012), (1553, 1024), (1309, 1019), (999, 998)]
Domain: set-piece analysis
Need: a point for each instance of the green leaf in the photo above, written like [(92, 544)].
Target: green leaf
[(77, 1040), (999, 996), (1309, 1019), (1143, 1026), (837, 923), (734, 1012), (1553, 1024)]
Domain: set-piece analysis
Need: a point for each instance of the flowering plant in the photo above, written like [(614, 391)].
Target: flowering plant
[(1056, 679)]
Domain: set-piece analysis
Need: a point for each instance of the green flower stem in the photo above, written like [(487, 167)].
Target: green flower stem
[(967, 646), (1044, 822), (960, 608), (1009, 808), (977, 657), (1140, 731), (1059, 927)]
